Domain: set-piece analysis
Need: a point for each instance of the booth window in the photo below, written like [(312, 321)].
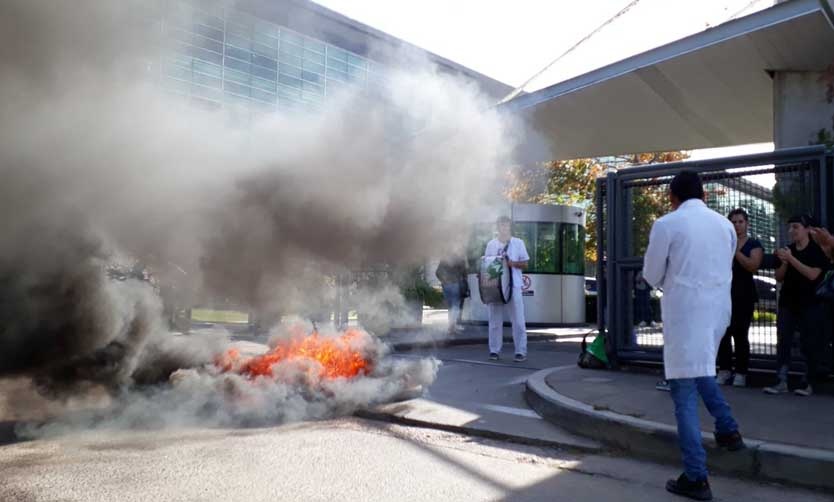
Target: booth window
[(573, 249), (554, 248)]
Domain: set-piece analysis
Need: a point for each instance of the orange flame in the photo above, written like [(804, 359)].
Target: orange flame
[(337, 357)]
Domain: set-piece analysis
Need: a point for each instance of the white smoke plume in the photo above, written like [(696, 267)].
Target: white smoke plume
[(97, 163)]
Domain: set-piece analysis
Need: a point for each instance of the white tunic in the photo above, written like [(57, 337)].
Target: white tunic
[(516, 251), (690, 257)]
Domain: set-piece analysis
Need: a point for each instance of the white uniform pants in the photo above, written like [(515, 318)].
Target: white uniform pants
[(496, 324)]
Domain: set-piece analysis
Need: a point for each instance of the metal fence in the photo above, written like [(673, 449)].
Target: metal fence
[(770, 187)]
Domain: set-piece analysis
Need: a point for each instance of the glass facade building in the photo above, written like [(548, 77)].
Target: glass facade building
[(220, 57)]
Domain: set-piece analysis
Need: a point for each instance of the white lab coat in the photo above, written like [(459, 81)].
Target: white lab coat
[(690, 257)]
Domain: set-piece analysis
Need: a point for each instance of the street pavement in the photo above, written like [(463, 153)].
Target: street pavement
[(346, 459)]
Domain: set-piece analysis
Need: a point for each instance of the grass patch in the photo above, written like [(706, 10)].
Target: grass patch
[(219, 316)]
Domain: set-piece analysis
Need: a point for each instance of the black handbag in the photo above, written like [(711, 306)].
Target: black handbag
[(825, 289)]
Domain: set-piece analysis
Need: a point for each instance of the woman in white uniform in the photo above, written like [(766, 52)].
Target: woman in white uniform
[(515, 252)]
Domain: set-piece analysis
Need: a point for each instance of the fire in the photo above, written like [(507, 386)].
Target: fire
[(332, 356)]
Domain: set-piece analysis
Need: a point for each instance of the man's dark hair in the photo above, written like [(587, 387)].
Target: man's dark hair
[(687, 185), (738, 212), (806, 220)]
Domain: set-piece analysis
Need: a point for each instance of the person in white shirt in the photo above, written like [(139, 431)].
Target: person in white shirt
[(515, 252), (690, 257)]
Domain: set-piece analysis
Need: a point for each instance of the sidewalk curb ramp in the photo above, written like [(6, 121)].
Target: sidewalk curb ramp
[(761, 460)]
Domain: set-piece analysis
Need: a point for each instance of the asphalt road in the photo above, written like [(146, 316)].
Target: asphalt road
[(345, 460)]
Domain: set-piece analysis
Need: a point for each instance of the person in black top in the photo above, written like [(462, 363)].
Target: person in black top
[(747, 260), (803, 266)]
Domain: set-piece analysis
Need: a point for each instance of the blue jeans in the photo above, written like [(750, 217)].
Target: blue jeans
[(451, 292), (685, 393)]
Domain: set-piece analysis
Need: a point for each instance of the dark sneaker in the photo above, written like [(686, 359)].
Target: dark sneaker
[(493, 356), (731, 442), (520, 358), (663, 385), (696, 490)]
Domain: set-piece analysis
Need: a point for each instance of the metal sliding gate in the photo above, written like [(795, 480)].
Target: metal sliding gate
[(770, 187)]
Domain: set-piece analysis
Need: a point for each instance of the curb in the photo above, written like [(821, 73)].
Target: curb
[(761, 460), (451, 342), (472, 431)]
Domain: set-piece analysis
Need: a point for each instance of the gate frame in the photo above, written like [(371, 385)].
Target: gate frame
[(613, 222)]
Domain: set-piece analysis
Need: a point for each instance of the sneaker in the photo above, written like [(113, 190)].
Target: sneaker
[(779, 388), (493, 356), (739, 380), (663, 385), (696, 490), (520, 358), (724, 377), (804, 391), (642, 324), (731, 442)]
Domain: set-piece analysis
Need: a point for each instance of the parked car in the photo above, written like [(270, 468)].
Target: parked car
[(766, 289)]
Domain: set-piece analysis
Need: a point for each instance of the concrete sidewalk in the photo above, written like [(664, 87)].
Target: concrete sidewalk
[(790, 439)]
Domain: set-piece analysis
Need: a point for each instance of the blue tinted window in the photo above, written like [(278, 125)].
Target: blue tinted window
[(264, 96), (286, 57), (314, 45), (314, 67), (208, 68), (288, 36), (339, 75), (236, 88), (265, 40), (264, 73), (336, 64), (267, 85), (287, 92), (237, 65), (336, 54), (237, 53), (290, 81), (238, 41), (295, 50), (311, 77), (312, 57), (209, 32), (317, 89), (265, 62), (207, 43), (290, 70), (237, 76), (205, 55), (207, 81), (208, 20), (264, 50), (357, 61)]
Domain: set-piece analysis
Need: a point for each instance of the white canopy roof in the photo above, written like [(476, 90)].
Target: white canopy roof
[(708, 90)]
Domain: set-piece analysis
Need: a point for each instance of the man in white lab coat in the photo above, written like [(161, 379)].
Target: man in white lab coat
[(690, 257)]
